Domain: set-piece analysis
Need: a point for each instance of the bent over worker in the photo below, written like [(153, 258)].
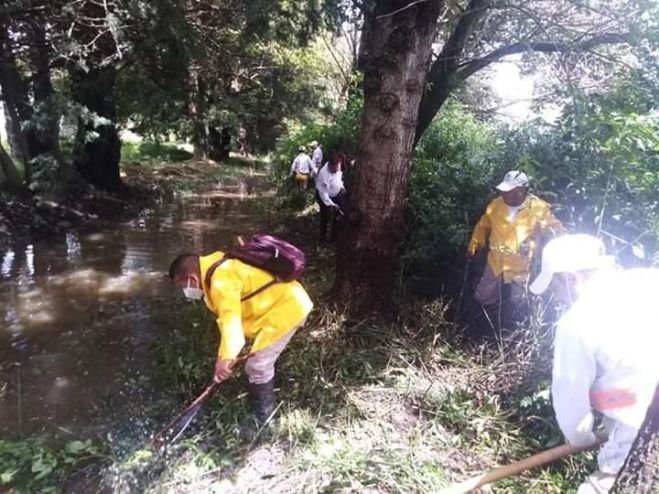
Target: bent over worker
[(511, 229), (605, 348), (270, 318)]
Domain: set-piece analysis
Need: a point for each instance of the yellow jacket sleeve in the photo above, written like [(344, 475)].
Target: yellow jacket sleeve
[(225, 292), (552, 226), (481, 232), (549, 225)]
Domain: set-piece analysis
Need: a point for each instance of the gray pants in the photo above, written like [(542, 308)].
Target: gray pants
[(610, 458), (489, 290), (260, 366)]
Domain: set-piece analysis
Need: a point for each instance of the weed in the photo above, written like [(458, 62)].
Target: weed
[(30, 465)]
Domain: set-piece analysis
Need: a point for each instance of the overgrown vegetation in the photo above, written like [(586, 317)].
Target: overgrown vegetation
[(33, 466), (366, 405), (363, 406)]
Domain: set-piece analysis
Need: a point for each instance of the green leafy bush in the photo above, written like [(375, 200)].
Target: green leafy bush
[(453, 169), (32, 466), (342, 134), (601, 164)]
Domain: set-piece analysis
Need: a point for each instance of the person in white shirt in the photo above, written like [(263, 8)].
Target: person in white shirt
[(302, 168), (604, 348), (330, 195), (316, 157)]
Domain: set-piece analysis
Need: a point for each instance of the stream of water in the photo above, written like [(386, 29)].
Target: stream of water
[(78, 312)]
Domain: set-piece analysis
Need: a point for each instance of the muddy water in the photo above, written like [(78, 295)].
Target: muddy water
[(78, 313)]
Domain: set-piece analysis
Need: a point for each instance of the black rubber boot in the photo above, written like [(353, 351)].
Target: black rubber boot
[(261, 399)]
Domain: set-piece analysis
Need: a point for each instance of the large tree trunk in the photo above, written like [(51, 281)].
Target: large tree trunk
[(443, 77), (640, 473), (196, 109), (44, 138), (97, 148), (32, 123), (11, 177), (395, 59), (14, 96)]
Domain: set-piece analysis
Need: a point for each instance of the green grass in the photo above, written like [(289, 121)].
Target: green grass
[(364, 406), (148, 151), (241, 176)]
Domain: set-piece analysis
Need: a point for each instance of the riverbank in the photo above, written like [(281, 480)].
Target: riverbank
[(364, 406), (146, 182)]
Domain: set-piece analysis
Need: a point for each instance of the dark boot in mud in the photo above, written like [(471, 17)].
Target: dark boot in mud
[(261, 405)]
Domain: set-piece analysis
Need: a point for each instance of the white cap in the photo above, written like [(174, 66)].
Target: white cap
[(314, 144), (301, 149), (569, 254), (512, 180)]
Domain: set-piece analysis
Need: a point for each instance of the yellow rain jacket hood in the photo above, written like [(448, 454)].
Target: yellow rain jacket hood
[(512, 243), (264, 318)]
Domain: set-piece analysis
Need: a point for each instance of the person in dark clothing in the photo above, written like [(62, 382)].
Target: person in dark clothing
[(225, 144)]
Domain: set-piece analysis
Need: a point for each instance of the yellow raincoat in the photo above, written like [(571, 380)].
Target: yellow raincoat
[(263, 318), (512, 244)]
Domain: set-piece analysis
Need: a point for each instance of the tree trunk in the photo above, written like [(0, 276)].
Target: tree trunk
[(97, 149), (196, 109), (14, 96), (395, 59), (44, 138), (443, 77), (640, 473), (10, 173)]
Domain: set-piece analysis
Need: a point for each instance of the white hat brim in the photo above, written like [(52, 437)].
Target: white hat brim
[(542, 282), (505, 187)]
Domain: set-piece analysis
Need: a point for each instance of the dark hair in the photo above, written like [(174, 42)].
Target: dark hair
[(338, 158), (183, 264)]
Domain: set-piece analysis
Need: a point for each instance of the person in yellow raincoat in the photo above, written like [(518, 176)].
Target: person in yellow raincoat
[(512, 229), (270, 318)]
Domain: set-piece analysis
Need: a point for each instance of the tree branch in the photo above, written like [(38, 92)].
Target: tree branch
[(467, 69)]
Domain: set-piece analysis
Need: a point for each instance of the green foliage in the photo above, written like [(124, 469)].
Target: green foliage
[(340, 135), (32, 466), (601, 166), (453, 169), (149, 150)]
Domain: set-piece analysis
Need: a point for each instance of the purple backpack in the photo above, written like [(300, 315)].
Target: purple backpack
[(282, 260)]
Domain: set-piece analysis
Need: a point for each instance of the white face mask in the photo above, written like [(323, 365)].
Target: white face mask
[(192, 292)]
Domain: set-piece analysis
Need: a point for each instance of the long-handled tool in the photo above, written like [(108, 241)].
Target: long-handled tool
[(174, 429), (518, 467), (465, 278)]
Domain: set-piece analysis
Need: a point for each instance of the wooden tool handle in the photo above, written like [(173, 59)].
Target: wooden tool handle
[(517, 467)]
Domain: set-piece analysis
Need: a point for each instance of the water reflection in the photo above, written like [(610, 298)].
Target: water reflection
[(7, 262), (78, 313)]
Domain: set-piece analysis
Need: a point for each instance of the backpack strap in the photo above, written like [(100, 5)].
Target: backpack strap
[(216, 264), (210, 271)]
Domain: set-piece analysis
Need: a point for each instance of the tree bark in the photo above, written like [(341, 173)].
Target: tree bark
[(395, 59), (443, 78), (10, 173), (97, 149), (44, 138), (196, 109), (32, 117), (14, 96), (640, 473)]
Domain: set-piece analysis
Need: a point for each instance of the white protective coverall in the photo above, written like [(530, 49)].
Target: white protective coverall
[(605, 358)]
